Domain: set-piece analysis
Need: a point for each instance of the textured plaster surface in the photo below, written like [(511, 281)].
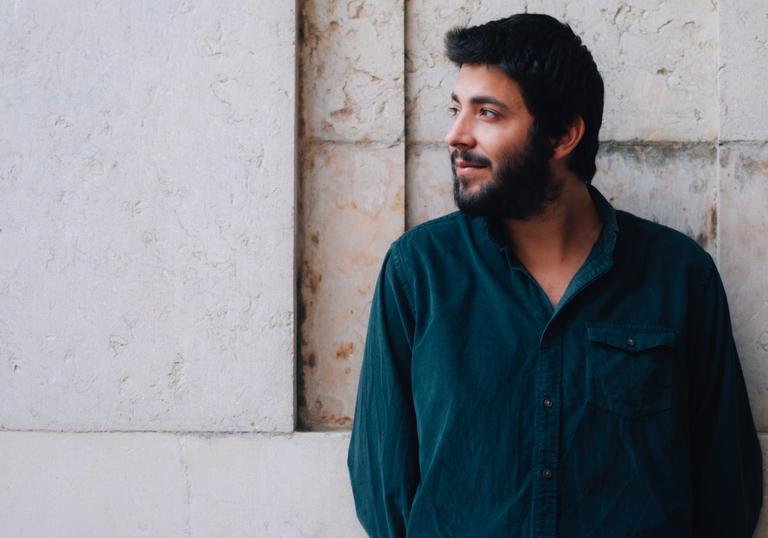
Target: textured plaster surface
[(92, 485), (673, 184), (352, 192), (352, 70), (353, 206), (657, 59), (743, 221), (148, 484), (281, 486), (743, 69), (429, 189), (147, 216)]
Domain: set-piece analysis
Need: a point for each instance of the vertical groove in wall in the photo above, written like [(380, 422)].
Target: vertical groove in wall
[(296, 212), (718, 137), (716, 210), (298, 385), (405, 114)]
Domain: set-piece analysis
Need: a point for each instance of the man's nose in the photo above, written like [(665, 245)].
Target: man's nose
[(460, 134)]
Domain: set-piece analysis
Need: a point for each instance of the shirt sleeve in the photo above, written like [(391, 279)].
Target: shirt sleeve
[(383, 450), (725, 452)]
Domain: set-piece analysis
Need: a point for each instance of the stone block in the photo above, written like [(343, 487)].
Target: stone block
[(145, 484), (429, 190), (271, 485), (147, 187), (743, 69), (672, 184), (657, 60), (352, 70), (743, 223), (352, 209), (93, 485)]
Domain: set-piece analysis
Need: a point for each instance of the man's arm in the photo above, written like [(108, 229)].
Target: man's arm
[(383, 450), (726, 458)]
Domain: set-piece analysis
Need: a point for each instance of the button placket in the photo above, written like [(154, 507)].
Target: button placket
[(547, 421)]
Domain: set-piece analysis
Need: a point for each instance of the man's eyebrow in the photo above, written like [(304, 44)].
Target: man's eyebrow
[(483, 100)]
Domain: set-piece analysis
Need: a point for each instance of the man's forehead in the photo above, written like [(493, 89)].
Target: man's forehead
[(475, 80)]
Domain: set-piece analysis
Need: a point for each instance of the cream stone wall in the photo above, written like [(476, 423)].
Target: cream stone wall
[(195, 199), (143, 216)]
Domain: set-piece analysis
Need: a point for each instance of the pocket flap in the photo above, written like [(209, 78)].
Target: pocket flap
[(629, 337)]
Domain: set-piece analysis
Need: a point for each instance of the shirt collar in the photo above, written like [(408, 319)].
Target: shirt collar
[(605, 244)]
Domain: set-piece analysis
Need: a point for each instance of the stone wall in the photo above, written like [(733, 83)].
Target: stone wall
[(352, 190), (195, 198)]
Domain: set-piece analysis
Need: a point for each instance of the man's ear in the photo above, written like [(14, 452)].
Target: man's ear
[(564, 145)]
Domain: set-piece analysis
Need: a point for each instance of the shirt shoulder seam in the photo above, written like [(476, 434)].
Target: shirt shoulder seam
[(399, 275), (710, 270), (433, 222)]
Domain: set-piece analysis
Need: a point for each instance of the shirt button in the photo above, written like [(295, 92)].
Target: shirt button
[(547, 403), (631, 342), (546, 473)]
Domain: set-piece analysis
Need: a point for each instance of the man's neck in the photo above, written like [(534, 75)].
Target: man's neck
[(568, 228)]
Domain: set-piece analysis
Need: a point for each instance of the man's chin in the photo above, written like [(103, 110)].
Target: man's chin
[(474, 206), (490, 204)]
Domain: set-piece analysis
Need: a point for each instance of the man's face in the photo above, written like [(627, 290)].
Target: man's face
[(499, 168)]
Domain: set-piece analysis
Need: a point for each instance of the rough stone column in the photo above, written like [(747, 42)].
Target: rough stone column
[(352, 191)]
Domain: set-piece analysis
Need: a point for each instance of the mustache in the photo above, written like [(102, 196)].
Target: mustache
[(470, 157)]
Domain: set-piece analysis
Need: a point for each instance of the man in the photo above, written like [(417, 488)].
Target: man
[(539, 364)]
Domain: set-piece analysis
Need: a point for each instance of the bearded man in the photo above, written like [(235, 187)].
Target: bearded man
[(538, 363)]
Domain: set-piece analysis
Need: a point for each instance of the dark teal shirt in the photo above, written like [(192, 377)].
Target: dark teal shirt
[(482, 411)]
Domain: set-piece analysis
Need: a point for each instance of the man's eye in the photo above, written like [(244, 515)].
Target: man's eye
[(487, 113), (452, 111)]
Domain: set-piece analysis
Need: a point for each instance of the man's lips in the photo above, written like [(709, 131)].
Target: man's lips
[(466, 166)]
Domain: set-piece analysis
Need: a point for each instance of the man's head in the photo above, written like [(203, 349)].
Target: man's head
[(528, 104)]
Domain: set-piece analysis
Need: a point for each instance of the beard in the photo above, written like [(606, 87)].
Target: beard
[(520, 188)]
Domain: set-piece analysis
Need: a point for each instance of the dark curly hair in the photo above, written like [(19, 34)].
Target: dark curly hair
[(555, 71)]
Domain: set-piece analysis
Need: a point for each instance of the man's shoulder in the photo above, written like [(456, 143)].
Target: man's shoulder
[(437, 231), (644, 238)]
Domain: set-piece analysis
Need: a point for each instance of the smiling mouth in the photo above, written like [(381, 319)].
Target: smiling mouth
[(467, 167)]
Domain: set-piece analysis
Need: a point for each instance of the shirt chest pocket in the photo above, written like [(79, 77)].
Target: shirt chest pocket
[(630, 368)]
